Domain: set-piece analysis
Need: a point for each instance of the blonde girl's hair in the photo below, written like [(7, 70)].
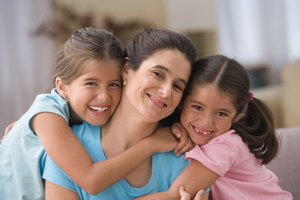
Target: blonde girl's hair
[(85, 44)]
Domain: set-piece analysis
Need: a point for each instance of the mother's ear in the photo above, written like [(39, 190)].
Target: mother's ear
[(126, 71)]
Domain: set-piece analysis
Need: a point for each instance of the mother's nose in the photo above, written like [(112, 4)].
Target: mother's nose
[(165, 89)]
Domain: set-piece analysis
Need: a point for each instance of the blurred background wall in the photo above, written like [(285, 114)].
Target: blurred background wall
[(262, 35)]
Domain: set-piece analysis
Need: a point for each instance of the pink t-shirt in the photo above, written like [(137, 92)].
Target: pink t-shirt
[(241, 174)]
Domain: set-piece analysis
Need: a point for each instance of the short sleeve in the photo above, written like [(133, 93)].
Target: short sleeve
[(218, 155), (54, 174)]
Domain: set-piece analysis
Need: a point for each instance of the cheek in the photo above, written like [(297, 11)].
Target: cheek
[(136, 84), (227, 124), (184, 119), (117, 97)]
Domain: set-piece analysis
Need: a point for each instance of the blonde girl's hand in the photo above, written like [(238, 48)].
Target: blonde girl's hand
[(186, 196), (185, 143), (163, 140)]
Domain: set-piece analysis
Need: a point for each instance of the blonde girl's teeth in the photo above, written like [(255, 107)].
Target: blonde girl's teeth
[(99, 109)]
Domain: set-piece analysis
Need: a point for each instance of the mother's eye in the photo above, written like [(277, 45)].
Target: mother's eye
[(178, 87), (158, 75)]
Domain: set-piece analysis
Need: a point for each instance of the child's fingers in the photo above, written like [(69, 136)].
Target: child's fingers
[(183, 194), (183, 147), (175, 127), (7, 129), (199, 195), (185, 142)]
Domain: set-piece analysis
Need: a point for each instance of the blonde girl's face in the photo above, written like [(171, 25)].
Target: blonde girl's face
[(96, 93), (207, 113), (155, 89)]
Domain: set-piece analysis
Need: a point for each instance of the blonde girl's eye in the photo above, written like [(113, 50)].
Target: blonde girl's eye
[(116, 84), (91, 84)]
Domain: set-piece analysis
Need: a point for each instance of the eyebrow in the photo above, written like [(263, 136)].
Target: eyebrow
[(219, 109), (225, 110), (95, 79), (168, 71)]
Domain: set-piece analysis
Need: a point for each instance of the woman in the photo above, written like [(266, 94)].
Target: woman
[(155, 75)]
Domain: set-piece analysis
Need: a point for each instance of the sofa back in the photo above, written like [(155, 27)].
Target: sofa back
[(286, 164)]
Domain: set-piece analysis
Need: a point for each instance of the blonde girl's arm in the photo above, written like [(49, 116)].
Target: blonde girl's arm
[(195, 177), (68, 153), (55, 192)]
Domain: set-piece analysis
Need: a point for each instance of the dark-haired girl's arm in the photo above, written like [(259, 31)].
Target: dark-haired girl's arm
[(194, 178)]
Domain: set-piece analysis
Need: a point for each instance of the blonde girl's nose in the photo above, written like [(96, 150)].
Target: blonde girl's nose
[(103, 94)]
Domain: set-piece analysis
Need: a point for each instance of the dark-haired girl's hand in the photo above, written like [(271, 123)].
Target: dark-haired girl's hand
[(163, 140)]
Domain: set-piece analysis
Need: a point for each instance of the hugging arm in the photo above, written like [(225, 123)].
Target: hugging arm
[(195, 177), (67, 152), (55, 192)]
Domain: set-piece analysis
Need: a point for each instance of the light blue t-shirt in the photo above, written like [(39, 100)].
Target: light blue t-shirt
[(22, 156), (165, 168)]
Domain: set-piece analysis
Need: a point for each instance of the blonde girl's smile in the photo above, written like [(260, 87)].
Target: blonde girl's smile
[(98, 109)]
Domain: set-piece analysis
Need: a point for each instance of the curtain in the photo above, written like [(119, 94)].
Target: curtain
[(260, 32), (25, 60)]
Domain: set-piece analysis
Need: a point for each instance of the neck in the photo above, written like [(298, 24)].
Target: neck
[(126, 128)]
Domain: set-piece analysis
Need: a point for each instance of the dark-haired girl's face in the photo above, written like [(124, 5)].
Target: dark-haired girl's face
[(207, 113), (156, 88)]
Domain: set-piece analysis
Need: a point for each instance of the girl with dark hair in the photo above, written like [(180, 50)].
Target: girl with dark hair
[(233, 132)]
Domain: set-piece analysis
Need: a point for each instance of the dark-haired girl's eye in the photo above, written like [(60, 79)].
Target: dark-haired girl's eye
[(197, 107)]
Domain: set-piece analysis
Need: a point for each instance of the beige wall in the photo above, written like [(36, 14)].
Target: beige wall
[(178, 15), (196, 18), (151, 11)]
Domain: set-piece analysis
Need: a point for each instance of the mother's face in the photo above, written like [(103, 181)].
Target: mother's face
[(156, 88)]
